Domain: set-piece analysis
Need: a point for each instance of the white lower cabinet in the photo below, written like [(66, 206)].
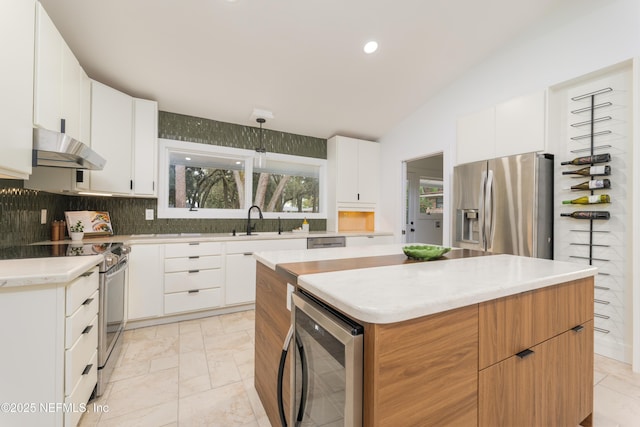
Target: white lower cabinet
[(54, 336), (368, 240), (240, 282), (145, 299), (193, 276)]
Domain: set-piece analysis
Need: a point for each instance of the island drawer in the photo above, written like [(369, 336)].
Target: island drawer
[(80, 320), (81, 289), (191, 301), (77, 357), (177, 250), (515, 323), (187, 281), (192, 263)]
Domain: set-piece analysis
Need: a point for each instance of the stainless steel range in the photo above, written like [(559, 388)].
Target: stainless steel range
[(113, 270), (111, 318)]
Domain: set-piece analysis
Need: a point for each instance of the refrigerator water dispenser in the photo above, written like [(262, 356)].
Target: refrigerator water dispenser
[(467, 226)]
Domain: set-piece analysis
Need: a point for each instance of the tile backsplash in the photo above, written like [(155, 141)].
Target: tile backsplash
[(20, 208)]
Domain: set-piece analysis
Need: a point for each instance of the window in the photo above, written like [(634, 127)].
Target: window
[(286, 187), (430, 193), (206, 181)]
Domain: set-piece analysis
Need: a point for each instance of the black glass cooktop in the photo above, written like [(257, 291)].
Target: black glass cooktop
[(56, 250)]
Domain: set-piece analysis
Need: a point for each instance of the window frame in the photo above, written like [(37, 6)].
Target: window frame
[(238, 154)]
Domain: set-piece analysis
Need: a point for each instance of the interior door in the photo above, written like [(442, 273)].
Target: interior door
[(410, 214)]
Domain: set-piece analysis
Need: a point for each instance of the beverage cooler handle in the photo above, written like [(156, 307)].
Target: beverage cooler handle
[(489, 211), (303, 362)]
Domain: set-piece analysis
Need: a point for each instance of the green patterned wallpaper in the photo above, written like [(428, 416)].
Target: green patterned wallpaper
[(20, 207), (204, 131)]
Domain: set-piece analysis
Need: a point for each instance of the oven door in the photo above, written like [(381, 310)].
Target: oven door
[(327, 378), (111, 316)]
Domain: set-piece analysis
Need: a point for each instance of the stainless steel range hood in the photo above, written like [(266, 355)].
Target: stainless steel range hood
[(60, 150)]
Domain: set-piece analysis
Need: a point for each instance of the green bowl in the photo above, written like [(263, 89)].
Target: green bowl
[(424, 252)]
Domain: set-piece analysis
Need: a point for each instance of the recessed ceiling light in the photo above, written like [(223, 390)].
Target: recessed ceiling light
[(370, 47), (187, 158)]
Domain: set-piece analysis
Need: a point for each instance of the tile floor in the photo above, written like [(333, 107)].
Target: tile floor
[(200, 373)]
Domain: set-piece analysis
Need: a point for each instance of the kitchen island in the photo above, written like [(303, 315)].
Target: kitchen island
[(487, 340)]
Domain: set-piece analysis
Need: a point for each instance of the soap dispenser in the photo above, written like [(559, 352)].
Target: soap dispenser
[(305, 225)]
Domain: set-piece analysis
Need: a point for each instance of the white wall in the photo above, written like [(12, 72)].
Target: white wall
[(581, 37)]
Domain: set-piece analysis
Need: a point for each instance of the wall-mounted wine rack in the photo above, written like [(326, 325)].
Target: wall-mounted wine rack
[(594, 164)]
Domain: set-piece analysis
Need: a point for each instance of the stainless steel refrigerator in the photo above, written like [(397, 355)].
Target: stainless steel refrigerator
[(505, 205)]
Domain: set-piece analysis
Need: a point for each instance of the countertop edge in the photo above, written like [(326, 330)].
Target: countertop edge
[(46, 271), (415, 308)]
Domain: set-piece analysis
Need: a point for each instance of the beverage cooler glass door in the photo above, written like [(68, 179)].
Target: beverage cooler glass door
[(327, 378), (469, 182)]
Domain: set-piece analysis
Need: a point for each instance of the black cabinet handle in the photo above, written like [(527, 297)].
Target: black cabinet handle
[(194, 271), (578, 328), (524, 353), (247, 253), (194, 291), (87, 329), (194, 243), (194, 257), (87, 274), (63, 126), (87, 301), (87, 369), (130, 184)]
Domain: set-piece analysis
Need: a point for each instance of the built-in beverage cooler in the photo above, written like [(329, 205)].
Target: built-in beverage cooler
[(590, 123)]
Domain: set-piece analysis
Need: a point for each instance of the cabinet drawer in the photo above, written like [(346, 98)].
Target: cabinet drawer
[(195, 262), (77, 358), (81, 289), (82, 392), (192, 301), (176, 250), (185, 281), (80, 320), (265, 245)]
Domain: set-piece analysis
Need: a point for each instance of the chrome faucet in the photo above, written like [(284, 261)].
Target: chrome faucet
[(249, 227)]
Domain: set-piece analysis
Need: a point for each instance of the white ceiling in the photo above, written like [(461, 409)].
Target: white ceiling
[(300, 59)]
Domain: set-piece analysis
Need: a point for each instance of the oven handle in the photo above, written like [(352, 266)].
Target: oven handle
[(122, 265)]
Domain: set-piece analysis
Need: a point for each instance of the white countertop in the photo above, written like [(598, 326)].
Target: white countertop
[(402, 292), (136, 239), (273, 258), (41, 271)]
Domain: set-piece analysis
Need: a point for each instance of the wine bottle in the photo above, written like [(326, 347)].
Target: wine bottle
[(587, 200), (594, 184), (588, 214), (586, 160), (591, 170)]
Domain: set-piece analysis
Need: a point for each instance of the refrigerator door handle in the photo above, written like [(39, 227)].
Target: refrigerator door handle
[(489, 211), (482, 214)]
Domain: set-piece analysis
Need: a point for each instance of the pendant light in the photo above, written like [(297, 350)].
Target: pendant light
[(260, 160)]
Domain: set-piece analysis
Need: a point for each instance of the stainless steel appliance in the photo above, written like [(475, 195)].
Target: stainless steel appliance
[(325, 242), (111, 318), (329, 365), (505, 205)]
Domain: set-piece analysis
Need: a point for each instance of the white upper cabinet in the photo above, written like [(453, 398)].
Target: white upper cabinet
[(145, 147), (512, 127), (16, 86), (476, 136), (521, 125), (124, 131), (355, 165), (57, 80), (111, 137)]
